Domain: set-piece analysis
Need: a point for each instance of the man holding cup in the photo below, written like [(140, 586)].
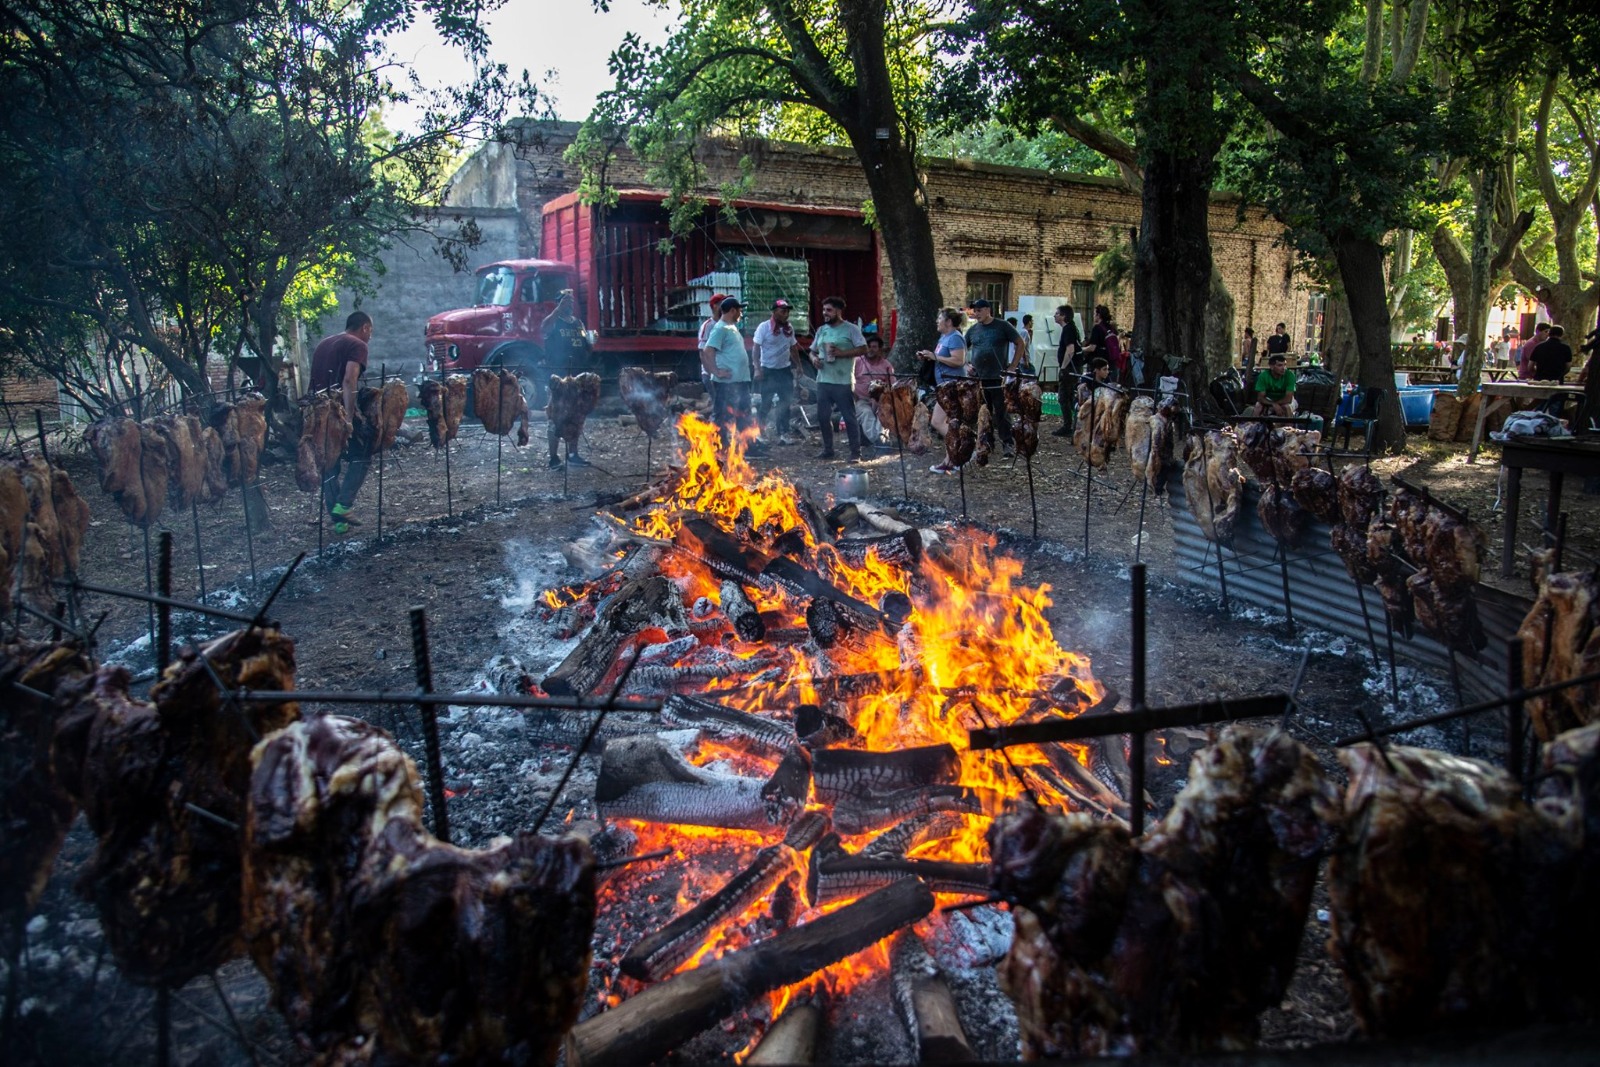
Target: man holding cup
[(834, 348)]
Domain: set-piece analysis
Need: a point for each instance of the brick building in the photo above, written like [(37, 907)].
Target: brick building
[(1004, 232)]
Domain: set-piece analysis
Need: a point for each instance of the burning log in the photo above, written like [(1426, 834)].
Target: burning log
[(826, 622), (725, 555), (664, 1016), (895, 842), (640, 603), (837, 875), (861, 815), (924, 1001), (645, 778), (841, 773), (792, 1039), (712, 718), (741, 613), (660, 953), (902, 549)]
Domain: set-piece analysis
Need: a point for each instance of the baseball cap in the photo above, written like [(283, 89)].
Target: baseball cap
[(717, 299), (729, 303), (779, 303), (982, 302)]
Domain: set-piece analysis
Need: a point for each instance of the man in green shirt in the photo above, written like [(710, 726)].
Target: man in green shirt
[(1275, 388), (728, 362), (834, 348)]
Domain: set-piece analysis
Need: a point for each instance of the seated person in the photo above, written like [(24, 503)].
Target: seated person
[(1099, 374), (1275, 389)]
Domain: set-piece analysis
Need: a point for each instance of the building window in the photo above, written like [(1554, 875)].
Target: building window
[(1316, 311), (996, 288), (1083, 305)]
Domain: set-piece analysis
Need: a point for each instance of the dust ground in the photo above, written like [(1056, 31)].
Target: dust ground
[(476, 565)]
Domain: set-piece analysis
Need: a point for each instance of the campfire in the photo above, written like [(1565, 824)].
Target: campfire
[(819, 672)]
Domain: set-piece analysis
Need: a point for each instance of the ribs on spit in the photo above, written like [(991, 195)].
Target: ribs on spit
[(242, 428), (445, 402), (133, 467), (1561, 640), (1212, 483), (385, 412), (497, 401), (571, 401), (325, 431), (906, 419), (43, 521), (1174, 943), (384, 945), (648, 396)]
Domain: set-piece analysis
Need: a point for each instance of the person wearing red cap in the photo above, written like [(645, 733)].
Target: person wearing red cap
[(776, 351), (706, 327)]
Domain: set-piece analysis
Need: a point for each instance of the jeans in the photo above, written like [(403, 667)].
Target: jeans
[(776, 382), (730, 408), (830, 396), (994, 397), (872, 430), (343, 480)]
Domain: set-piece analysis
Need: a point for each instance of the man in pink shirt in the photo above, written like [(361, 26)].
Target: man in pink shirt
[(873, 369)]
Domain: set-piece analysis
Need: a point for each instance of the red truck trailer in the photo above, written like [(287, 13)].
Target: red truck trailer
[(642, 291)]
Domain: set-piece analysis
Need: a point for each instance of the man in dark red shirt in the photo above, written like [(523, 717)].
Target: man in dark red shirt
[(338, 363)]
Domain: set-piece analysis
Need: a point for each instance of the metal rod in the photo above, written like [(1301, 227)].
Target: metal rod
[(38, 420), (56, 624), (900, 444), (1088, 473), (1138, 537), (1473, 709), (566, 465), (1394, 677), (649, 442), (383, 372), (1366, 617), (1087, 726), (588, 739), (961, 474), (199, 555), (466, 700), (153, 598), (249, 533), (164, 611), (430, 723), (1283, 565), (1136, 756), (1514, 711), (1222, 577), (1033, 501), (1466, 722), (449, 494), (322, 508), (499, 440), (149, 586), (609, 865), (1559, 548)]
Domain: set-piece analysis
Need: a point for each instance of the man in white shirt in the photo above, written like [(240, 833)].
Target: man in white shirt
[(715, 304), (776, 350)]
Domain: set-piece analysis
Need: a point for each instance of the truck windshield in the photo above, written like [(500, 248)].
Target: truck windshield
[(496, 285)]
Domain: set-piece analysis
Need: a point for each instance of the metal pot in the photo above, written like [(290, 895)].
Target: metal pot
[(850, 483)]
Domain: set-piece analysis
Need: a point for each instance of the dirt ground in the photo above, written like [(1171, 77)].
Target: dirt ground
[(475, 565)]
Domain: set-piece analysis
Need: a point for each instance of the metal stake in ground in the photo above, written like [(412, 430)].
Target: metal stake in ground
[(1394, 677), (1283, 569), (961, 475), (1144, 489), (649, 442), (499, 440), (249, 535), (199, 556), (383, 373), (163, 648), (1033, 501), (1136, 753), (1088, 474), (1366, 617), (1514, 716), (430, 724), (449, 493), (322, 507), (149, 587)]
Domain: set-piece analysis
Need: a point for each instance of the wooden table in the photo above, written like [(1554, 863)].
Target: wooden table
[(1560, 458), (1502, 393)]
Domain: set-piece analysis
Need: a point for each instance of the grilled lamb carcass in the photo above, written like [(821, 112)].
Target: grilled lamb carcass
[(1213, 485), (1451, 901), (384, 945), (186, 457), (243, 428), (384, 410), (1360, 495), (164, 877), (1025, 402), (1282, 515), (324, 432), (35, 809), (1317, 491), (1137, 430), (1350, 542), (216, 470), (1099, 426), (571, 400), (13, 521), (1295, 453), (1448, 613), (497, 400), (960, 442), (1160, 463), (44, 528), (897, 406), (1177, 942), (984, 432), (72, 515), (118, 446), (445, 403), (1383, 542), (1561, 640), (1259, 445), (648, 396)]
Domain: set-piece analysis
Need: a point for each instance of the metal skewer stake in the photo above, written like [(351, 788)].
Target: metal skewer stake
[(499, 440), (199, 556), (163, 647), (1033, 501), (249, 534), (149, 587), (430, 724), (383, 373), (1144, 488)]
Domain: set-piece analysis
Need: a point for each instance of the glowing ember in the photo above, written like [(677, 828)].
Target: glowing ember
[(975, 650)]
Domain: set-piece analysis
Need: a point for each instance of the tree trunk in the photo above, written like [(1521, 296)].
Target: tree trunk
[(1339, 353), (1219, 326), (1172, 266), (1360, 262), (1475, 323)]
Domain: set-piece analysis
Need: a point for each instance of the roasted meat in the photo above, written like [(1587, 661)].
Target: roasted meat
[(1024, 401), (1176, 943), (960, 442), (1137, 430), (571, 400), (1449, 613), (243, 428), (1281, 515), (35, 808), (118, 446), (1360, 495), (1159, 465), (384, 410), (984, 432), (13, 521), (72, 517), (1296, 452), (1388, 575), (648, 396), (906, 420), (1561, 640), (324, 432), (186, 457), (1451, 898), (497, 400), (1317, 491), (1212, 483), (384, 945), (1258, 447), (43, 558), (445, 402), (1099, 427), (216, 465), (154, 779)]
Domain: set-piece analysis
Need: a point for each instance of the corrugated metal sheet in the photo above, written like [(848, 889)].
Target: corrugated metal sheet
[(1322, 594)]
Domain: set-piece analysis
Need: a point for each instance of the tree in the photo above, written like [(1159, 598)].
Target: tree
[(739, 66), (171, 170)]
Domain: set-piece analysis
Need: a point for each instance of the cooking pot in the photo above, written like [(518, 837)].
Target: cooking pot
[(850, 483)]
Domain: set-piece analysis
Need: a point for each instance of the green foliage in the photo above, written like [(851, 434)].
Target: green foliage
[(994, 142)]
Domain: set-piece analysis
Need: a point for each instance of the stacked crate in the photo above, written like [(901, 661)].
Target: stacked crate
[(763, 279)]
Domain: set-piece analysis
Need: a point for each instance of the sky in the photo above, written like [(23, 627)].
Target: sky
[(566, 36)]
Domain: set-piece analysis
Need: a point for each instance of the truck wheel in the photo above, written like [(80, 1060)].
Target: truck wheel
[(524, 361)]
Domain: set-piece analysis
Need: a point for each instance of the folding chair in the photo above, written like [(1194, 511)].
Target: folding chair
[(1363, 415)]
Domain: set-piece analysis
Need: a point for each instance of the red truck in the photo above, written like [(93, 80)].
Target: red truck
[(642, 292)]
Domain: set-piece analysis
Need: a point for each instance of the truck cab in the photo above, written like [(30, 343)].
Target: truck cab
[(501, 328)]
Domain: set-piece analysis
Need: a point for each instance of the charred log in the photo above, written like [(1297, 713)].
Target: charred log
[(841, 773), (664, 1016), (712, 718), (638, 604), (645, 778), (741, 613), (903, 549), (857, 815), (792, 1039)]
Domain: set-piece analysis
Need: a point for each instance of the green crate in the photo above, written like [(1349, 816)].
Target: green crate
[(765, 279)]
